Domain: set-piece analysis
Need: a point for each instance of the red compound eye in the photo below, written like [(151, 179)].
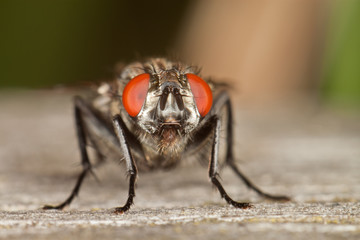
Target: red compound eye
[(202, 93), (135, 93)]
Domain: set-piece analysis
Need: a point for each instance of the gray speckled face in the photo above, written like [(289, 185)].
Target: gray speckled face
[(169, 104)]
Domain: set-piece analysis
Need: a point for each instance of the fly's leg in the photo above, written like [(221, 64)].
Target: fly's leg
[(230, 159), (254, 187), (120, 128), (213, 166), (84, 158)]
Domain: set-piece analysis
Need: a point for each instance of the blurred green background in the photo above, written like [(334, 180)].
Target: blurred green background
[(45, 43), (65, 42), (341, 83)]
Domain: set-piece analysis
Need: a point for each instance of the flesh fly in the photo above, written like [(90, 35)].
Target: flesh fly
[(154, 115)]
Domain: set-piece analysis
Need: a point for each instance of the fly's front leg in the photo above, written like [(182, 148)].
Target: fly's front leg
[(84, 156), (213, 165), (120, 127)]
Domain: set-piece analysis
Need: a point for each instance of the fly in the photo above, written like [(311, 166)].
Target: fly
[(154, 115)]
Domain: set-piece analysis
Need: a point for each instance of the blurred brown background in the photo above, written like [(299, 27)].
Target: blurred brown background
[(269, 50)]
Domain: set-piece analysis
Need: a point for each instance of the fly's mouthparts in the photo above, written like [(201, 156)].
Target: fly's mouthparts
[(170, 121), (174, 124)]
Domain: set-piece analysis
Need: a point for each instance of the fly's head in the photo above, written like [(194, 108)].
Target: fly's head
[(165, 99)]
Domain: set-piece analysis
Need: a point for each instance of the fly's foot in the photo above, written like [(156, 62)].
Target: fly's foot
[(242, 205), (126, 207), (58, 207), (121, 210)]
